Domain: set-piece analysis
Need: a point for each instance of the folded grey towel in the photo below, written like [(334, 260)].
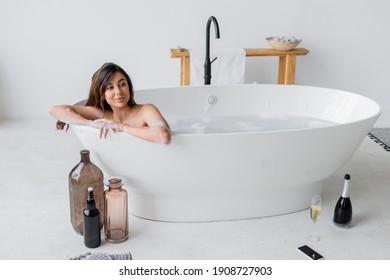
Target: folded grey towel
[(103, 256)]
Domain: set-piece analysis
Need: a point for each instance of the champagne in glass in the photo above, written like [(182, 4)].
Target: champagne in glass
[(315, 213)]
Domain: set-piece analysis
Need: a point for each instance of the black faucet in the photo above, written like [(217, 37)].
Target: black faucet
[(207, 62)]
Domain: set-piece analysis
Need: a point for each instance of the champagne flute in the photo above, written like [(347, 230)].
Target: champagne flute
[(315, 213)]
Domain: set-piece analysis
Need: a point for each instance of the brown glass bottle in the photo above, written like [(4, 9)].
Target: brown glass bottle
[(85, 174), (116, 227)]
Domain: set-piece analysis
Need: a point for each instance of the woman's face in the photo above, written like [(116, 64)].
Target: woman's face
[(117, 92)]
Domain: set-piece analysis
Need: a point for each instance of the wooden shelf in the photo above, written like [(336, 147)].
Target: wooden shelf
[(286, 70)]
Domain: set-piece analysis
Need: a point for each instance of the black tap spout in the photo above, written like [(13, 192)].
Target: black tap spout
[(207, 62)]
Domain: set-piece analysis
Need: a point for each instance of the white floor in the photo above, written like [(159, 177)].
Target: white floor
[(35, 160)]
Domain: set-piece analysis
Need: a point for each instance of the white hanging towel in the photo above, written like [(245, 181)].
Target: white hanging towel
[(227, 69)]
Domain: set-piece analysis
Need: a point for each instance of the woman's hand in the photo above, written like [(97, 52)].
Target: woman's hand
[(104, 125)]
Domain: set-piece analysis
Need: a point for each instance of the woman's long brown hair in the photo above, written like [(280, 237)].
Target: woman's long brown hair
[(100, 80)]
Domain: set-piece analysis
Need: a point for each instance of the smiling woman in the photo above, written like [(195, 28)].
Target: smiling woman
[(111, 106)]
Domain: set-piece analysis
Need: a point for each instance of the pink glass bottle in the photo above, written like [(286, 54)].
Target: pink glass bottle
[(85, 174), (116, 226)]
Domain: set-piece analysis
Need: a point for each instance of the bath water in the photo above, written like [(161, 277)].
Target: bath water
[(242, 123)]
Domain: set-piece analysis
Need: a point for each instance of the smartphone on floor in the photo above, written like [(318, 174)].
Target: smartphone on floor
[(310, 252)]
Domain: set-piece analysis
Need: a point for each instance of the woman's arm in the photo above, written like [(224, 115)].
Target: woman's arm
[(156, 129), (72, 114)]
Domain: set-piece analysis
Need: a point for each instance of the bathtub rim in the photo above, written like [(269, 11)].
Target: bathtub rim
[(374, 116)]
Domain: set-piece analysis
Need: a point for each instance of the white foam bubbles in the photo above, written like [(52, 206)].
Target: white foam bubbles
[(242, 123)]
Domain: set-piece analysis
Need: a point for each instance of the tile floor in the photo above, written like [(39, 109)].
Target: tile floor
[(35, 160)]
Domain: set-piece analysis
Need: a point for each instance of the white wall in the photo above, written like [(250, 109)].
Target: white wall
[(49, 49)]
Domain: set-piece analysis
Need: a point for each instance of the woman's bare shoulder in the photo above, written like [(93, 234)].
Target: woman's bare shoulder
[(152, 116), (148, 108)]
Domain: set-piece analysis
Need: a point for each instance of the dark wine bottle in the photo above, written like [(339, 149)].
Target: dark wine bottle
[(91, 222), (343, 209)]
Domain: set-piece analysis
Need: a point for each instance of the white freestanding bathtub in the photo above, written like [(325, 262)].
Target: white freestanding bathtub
[(223, 176)]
